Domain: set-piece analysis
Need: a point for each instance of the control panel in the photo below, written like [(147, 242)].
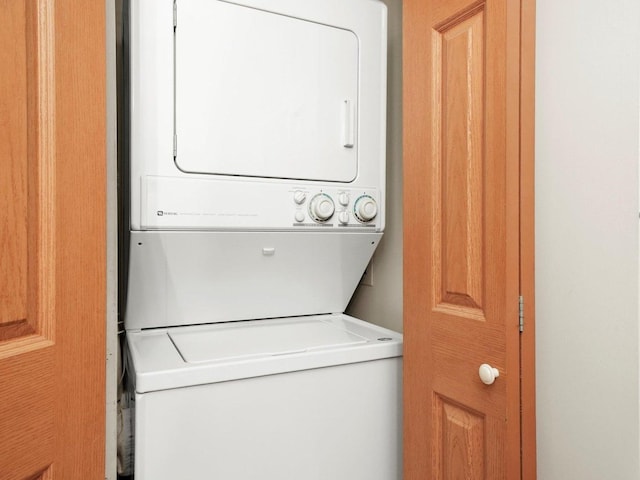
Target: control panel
[(336, 207), (171, 203)]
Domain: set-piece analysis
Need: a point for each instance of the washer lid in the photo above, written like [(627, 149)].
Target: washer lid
[(167, 358), (245, 340)]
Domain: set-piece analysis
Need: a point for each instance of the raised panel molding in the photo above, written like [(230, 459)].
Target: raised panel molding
[(27, 273), (457, 162), (46, 475), (13, 181), (461, 442)]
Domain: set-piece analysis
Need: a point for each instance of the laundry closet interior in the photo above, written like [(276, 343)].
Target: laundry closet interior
[(259, 173)]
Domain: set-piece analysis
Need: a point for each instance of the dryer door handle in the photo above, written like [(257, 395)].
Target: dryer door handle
[(348, 123)]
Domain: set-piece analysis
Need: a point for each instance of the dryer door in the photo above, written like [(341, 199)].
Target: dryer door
[(262, 94)]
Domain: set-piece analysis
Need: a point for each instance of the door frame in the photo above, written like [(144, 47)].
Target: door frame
[(527, 238)]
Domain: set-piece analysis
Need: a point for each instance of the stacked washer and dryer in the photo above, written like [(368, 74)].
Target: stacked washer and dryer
[(257, 198)]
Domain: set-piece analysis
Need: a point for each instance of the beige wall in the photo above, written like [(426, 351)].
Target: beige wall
[(587, 85), (381, 303)]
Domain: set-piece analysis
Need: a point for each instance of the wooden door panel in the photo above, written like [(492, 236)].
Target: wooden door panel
[(461, 239), (457, 131), (52, 288), (27, 193), (463, 435), (13, 181), (27, 425), (27, 265)]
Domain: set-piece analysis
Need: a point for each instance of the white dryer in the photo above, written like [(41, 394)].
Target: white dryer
[(256, 200)]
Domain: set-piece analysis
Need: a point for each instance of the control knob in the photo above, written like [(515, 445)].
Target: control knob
[(321, 207), (365, 209), (299, 197)]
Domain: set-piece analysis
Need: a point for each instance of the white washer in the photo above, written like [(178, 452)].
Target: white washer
[(306, 398), (257, 198)]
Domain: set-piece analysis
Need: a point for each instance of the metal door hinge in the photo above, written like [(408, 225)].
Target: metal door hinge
[(521, 313)]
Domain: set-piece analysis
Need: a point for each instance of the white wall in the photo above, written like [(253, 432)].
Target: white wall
[(587, 86), (381, 303)]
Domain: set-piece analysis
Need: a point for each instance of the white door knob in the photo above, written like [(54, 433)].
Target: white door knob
[(488, 374)]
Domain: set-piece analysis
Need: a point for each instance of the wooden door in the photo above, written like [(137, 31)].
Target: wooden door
[(52, 239), (462, 142)]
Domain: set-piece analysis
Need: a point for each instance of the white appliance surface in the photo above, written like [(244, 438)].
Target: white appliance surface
[(257, 114), (173, 203), (257, 198), (184, 278), (246, 340), (200, 354), (337, 423), (282, 98), (310, 398)]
